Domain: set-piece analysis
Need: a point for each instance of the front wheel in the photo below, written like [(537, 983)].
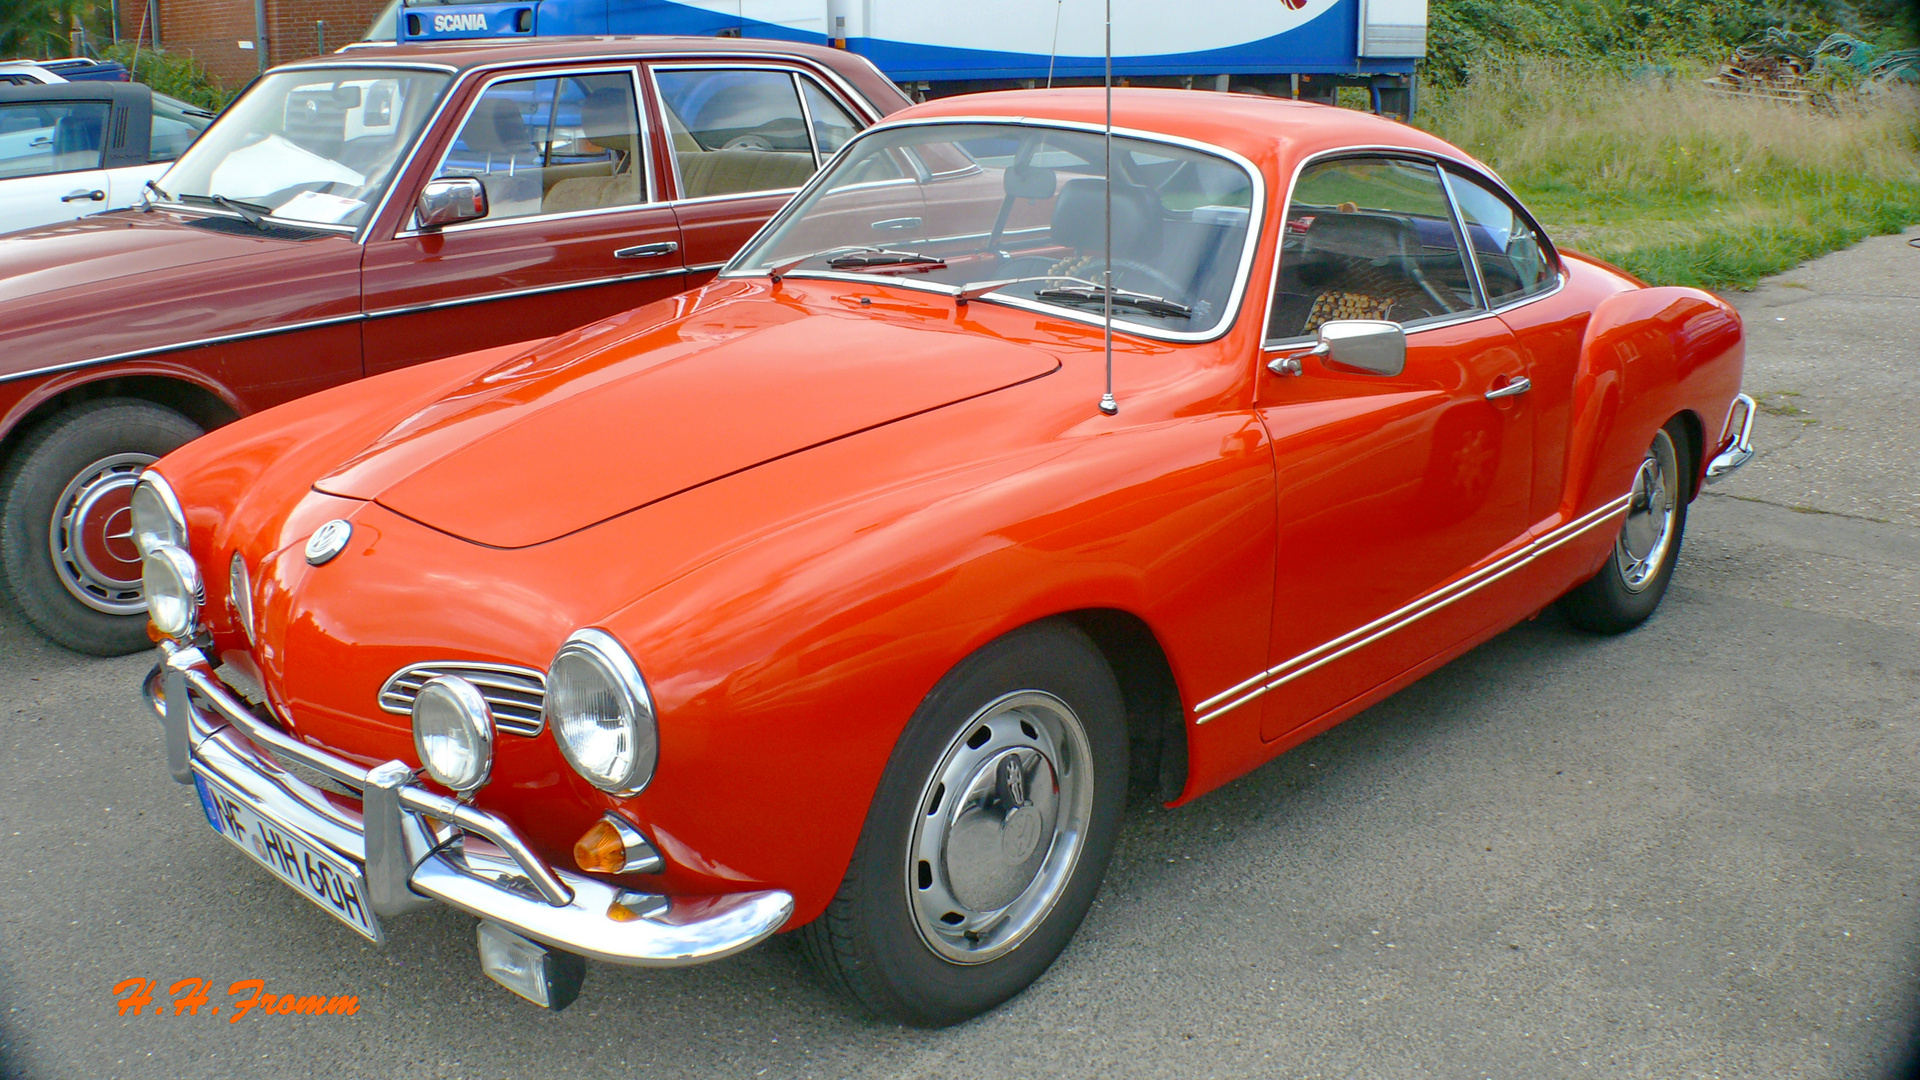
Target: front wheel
[(988, 837), (66, 540), (1631, 584)]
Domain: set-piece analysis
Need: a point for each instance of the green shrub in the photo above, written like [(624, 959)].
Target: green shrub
[(172, 74)]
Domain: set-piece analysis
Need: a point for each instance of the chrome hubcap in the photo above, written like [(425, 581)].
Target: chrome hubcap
[(1651, 508), (999, 827), (91, 535)]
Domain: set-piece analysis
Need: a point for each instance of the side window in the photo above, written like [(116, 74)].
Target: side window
[(832, 127), (1368, 238), (1513, 261), (735, 131), (553, 146), (42, 137)]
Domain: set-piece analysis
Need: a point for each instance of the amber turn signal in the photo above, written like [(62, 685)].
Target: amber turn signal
[(601, 849)]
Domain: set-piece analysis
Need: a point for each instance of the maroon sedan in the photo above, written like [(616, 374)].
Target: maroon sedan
[(361, 212)]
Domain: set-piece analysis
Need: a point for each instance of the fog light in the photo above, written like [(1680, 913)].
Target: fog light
[(612, 846), (172, 585), (547, 977), (453, 732)]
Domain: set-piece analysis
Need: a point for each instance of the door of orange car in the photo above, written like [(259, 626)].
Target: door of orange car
[(741, 137), (1393, 489), (575, 229)]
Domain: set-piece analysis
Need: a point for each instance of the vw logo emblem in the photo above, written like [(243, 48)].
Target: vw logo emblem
[(328, 540)]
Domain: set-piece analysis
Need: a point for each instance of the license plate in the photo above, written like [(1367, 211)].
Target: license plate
[(337, 885)]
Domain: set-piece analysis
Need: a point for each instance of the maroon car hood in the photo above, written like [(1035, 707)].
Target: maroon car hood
[(584, 430), (133, 282)]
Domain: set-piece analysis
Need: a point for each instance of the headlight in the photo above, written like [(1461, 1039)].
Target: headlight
[(601, 714), (157, 518), (172, 585), (453, 731), (240, 590)]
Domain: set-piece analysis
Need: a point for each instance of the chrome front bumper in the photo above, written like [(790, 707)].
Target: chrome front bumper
[(418, 847), (1736, 446)]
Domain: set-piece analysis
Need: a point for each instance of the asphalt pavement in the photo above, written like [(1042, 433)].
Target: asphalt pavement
[(1693, 850)]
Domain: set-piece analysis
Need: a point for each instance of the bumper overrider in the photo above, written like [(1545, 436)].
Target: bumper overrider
[(416, 847), (1736, 439)]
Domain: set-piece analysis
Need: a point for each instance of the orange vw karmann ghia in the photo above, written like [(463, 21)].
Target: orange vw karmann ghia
[(836, 597)]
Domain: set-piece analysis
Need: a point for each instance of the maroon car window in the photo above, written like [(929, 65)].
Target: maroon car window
[(832, 127), (1368, 238), (1513, 262), (42, 137), (735, 130), (553, 146)]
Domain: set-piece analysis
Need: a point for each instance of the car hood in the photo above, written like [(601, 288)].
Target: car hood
[(615, 417), (130, 281)]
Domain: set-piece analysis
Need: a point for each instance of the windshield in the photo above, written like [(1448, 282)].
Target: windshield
[(967, 205), (315, 146)]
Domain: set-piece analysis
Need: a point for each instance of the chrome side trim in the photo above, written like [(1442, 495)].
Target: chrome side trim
[(219, 339), (1231, 310), (463, 301), (1736, 450), (1439, 599)]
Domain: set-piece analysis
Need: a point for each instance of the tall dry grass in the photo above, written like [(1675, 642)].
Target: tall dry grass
[(1680, 184)]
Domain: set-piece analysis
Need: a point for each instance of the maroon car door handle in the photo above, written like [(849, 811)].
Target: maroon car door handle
[(648, 251)]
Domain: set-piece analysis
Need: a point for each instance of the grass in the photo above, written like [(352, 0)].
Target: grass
[(1681, 186)]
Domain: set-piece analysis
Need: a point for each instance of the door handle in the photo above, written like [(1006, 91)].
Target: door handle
[(92, 196), (1513, 389), (648, 251), (44, 140)]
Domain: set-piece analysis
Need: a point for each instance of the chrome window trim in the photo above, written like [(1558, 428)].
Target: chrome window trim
[(1440, 161), (412, 65), (1248, 690), (1501, 192), (1231, 312), (792, 69), (510, 294), (408, 227), (704, 267)]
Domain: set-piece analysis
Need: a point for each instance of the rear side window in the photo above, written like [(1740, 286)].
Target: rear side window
[(1514, 263), (1368, 238), (42, 137), (553, 146), (737, 130)]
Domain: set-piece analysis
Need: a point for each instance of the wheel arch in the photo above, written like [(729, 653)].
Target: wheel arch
[(1696, 461), (204, 405), (1156, 719)]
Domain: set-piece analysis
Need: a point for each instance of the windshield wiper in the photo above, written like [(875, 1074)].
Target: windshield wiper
[(254, 213), (860, 260), (1152, 305)]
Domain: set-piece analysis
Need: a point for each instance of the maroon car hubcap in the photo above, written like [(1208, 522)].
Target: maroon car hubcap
[(92, 535)]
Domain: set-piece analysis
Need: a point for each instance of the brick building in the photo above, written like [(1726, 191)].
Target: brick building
[(224, 35)]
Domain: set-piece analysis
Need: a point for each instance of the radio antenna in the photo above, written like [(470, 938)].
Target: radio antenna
[(1107, 403), (1054, 50)]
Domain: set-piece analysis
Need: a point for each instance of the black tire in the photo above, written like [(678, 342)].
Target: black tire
[(1626, 590), (870, 944), (81, 460)]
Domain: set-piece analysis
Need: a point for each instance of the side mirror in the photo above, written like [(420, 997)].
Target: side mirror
[(1369, 345), (449, 200)]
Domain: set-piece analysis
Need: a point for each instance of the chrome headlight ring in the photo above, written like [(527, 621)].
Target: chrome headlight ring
[(157, 517), (174, 591), (601, 714), (453, 733)]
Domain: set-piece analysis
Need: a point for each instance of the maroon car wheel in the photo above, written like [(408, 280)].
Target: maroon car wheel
[(66, 545)]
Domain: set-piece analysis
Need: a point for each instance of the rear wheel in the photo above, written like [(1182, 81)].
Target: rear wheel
[(988, 837), (1631, 584), (66, 548)]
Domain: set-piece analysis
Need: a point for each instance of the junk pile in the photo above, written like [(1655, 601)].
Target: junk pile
[(1783, 67)]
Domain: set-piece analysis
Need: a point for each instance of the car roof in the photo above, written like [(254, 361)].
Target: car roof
[(488, 52), (1252, 125)]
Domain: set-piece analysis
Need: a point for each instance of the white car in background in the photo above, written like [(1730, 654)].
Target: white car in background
[(68, 149)]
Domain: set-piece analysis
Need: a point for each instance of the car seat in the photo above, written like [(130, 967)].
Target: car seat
[(607, 120)]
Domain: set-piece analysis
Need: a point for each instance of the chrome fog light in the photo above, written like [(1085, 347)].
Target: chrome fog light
[(172, 586), (453, 732), (240, 591), (547, 977), (157, 518), (601, 714)]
